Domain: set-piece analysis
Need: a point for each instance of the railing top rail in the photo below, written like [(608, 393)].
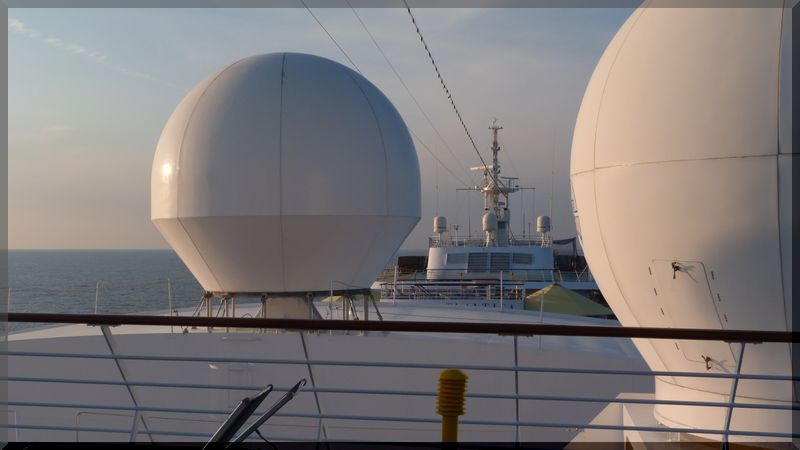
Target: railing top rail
[(519, 329)]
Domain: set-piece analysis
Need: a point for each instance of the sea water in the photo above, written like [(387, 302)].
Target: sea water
[(112, 281)]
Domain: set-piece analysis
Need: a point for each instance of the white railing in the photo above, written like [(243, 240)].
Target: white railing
[(535, 275), (480, 241), (136, 411)]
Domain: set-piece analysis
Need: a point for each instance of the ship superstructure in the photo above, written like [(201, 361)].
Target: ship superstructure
[(495, 266)]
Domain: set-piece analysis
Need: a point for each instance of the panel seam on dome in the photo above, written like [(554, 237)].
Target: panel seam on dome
[(199, 253), (778, 90), (605, 83), (594, 176), (383, 144), (280, 174), (663, 379), (178, 163), (186, 129), (594, 184), (778, 168), (668, 161)]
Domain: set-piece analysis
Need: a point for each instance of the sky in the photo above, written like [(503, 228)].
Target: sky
[(89, 91)]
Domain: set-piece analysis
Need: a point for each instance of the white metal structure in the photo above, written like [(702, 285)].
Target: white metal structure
[(285, 172), (681, 181), (497, 254), (496, 219)]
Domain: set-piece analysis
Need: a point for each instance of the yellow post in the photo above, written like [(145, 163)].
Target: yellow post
[(450, 403)]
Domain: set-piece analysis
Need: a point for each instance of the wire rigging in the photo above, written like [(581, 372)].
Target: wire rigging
[(341, 49), (512, 168), (437, 159), (408, 90), (437, 188), (450, 96), (330, 36)]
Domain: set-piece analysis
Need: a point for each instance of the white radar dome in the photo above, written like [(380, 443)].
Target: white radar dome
[(681, 182), (439, 224), (285, 172)]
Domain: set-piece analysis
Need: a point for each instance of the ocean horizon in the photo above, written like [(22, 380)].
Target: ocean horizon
[(116, 281)]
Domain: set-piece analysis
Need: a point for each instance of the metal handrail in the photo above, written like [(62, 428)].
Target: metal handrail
[(320, 362), (570, 275), (440, 291), (479, 240)]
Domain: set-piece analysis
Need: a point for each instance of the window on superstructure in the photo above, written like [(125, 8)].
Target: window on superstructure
[(478, 262), (501, 262), (522, 258), (456, 258)]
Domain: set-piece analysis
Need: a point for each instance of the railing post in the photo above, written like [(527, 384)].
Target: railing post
[(516, 389), (394, 286), (96, 296), (209, 307), (169, 301), (112, 348), (734, 386), (225, 301), (134, 427), (501, 290), (330, 303), (320, 424)]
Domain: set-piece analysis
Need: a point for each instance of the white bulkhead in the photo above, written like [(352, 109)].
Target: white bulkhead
[(681, 180), (285, 172)]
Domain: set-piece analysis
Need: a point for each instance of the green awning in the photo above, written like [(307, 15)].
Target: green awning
[(376, 294), (560, 300)]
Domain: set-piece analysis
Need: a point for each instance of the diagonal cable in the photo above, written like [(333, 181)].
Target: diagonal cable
[(359, 71), (439, 160), (450, 96), (408, 90), (330, 36)]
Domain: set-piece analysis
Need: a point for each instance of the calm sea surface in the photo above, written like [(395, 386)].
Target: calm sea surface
[(65, 281)]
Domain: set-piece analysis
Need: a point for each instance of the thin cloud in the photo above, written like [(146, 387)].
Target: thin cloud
[(19, 27)]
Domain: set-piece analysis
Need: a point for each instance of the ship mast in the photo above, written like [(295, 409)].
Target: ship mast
[(495, 189)]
